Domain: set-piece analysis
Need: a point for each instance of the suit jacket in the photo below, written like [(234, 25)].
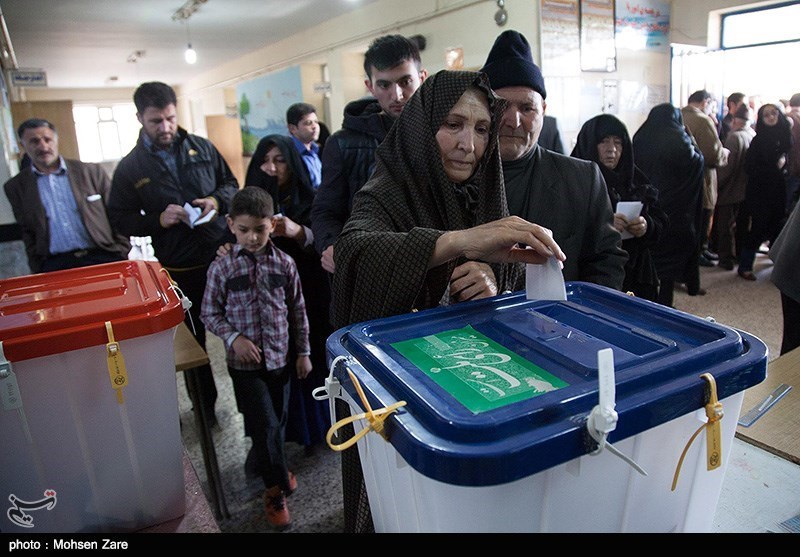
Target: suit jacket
[(86, 180), (569, 196)]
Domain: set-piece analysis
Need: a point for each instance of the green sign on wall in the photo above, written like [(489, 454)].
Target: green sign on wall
[(478, 372)]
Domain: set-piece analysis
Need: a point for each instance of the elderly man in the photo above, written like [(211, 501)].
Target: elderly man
[(60, 205), (561, 193)]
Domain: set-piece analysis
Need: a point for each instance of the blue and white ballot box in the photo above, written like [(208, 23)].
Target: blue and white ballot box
[(496, 436)]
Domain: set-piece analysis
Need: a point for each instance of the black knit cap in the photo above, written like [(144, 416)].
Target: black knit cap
[(510, 63)]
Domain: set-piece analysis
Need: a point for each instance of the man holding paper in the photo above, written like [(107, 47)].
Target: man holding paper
[(167, 169)]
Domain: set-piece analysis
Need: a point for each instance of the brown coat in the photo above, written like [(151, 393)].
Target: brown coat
[(86, 179), (704, 131)]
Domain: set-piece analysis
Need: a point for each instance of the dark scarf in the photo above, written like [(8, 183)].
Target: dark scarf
[(384, 249), (768, 145), (294, 201), (623, 182)]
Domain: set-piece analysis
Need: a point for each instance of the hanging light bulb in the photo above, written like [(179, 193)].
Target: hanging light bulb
[(190, 55)]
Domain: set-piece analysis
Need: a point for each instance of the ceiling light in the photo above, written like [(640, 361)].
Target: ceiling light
[(190, 55)]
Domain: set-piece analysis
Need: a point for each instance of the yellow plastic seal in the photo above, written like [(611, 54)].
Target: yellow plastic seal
[(374, 417), (116, 364), (714, 413)]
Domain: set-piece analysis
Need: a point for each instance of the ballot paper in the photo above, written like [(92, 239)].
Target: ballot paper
[(545, 281), (194, 215), (631, 210)]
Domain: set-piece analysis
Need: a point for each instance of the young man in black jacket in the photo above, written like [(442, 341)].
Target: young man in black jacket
[(394, 71)]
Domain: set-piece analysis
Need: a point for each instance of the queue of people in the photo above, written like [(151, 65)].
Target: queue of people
[(435, 191)]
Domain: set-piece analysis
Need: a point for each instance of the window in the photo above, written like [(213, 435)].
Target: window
[(105, 133), (774, 24)]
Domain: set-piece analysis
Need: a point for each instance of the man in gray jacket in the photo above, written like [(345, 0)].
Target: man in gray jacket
[(60, 205), (564, 194)]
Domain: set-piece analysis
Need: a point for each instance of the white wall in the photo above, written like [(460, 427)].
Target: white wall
[(340, 43)]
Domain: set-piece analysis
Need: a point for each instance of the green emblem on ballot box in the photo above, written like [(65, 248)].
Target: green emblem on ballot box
[(478, 372)]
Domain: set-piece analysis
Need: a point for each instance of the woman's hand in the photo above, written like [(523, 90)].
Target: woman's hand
[(286, 227), (637, 227), (508, 240), (620, 222), (472, 281), (224, 249)]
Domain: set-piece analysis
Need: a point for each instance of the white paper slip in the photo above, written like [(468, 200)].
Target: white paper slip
[(194, 215), (631, 210), (545, 281)]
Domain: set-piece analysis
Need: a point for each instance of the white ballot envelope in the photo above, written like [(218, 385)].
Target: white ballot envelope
[(545, 281), (631, 210)]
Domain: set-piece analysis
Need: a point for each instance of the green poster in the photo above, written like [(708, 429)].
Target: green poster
[(480, 373)]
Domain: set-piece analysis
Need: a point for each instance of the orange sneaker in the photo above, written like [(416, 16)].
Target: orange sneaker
[(275, 507)]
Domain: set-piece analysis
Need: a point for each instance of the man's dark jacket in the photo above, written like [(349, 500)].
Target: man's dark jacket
[(347, 163), (143, 186)]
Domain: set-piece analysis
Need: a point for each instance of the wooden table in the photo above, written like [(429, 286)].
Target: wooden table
[(188, 355), (778, 430)]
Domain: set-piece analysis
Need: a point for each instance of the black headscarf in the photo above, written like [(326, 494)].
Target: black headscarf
[(769, 144), (668, 156), (295, 200), (627, 183), (383, 251)]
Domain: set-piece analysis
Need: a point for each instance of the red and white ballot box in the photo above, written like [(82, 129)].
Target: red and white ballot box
[(89, 426)]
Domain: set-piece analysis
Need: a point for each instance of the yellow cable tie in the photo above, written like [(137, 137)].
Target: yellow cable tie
[(169, 277), (374, 417), (714, 413), (116, 364)]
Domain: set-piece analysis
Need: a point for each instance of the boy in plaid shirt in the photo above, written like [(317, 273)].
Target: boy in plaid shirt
[(252, 299)]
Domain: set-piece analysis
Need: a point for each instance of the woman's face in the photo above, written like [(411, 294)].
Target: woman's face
[(275, 165), (464, 135), (770, 115), (609, 151)]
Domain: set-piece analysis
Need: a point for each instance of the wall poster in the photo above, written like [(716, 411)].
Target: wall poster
[(643, 25), (598, 49), (560, 38), (263, 102)]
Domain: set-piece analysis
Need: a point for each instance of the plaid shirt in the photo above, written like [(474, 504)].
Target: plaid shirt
[(260, 297)]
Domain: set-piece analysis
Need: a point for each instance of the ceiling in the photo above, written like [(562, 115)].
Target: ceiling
[(87, 43)]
